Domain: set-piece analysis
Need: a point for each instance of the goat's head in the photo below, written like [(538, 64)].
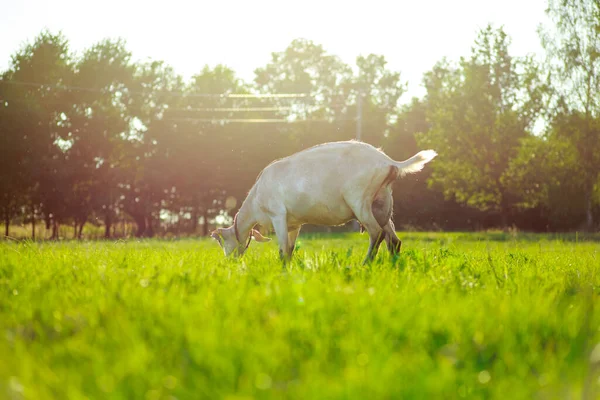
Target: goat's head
[(231, 243)]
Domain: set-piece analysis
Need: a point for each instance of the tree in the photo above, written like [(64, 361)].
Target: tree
[(380, 90), (306, 68), (544, 174), (413, 202), (36, 107), (573, 46), (100, 124), (479, 112), (202, 153), (144, 182), (13, 177)]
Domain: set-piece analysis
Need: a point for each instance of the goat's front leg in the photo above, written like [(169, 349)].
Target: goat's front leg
[(281, 230)]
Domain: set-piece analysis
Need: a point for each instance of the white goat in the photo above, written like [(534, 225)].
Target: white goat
[(329, 184)]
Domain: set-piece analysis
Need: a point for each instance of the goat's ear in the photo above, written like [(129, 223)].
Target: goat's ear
[(216, 234), (258, 237)]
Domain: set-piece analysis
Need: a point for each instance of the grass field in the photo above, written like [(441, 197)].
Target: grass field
[(455, 316)]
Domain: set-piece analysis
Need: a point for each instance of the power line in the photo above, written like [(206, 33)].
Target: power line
[(262, 95), (168, 92), (248, 120), (335, 106), (34, 84), (233, 109), (204, 109)]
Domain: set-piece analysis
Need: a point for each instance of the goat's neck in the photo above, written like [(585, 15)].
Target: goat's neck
[(245, 220)]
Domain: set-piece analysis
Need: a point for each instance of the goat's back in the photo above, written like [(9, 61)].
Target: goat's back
[(315, 185)]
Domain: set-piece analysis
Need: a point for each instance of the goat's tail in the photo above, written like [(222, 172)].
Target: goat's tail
[(416, 162)]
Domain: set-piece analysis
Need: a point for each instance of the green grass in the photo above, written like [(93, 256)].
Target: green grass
[(456, 315)]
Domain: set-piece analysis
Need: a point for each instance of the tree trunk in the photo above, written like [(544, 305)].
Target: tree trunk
[(504, 213), (504, 219), (6, 221), (589, 217), (149, 227), (74, 230), (205, 225), (80, 230), (194, 220), (107, 224), (140, 221), (32, 222), (55, 226)]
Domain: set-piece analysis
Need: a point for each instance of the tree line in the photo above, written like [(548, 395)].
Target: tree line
[(98, 138)]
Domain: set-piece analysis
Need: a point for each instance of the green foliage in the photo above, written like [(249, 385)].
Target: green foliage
[(381, 89), (551, 170), (34, 114), (305, 67), (573, 47), (478, 112), (545, 174), (455, 315)]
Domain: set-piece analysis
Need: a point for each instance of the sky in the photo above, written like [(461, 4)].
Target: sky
[(412, 35)]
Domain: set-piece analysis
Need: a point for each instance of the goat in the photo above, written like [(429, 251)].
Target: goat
[(328, 184)]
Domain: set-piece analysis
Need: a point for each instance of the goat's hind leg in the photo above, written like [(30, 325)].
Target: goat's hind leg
[(393, 242), (382, 208), (376, 234), (292, 236), (361, 204)]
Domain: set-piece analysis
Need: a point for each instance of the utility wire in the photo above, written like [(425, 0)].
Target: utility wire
[(204, 109), (225, 109), (168, 92), (254, 120)]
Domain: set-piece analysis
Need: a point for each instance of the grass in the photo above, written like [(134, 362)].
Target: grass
[(455, 316)]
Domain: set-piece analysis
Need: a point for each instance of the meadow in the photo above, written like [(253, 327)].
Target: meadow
[(456, 315)]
